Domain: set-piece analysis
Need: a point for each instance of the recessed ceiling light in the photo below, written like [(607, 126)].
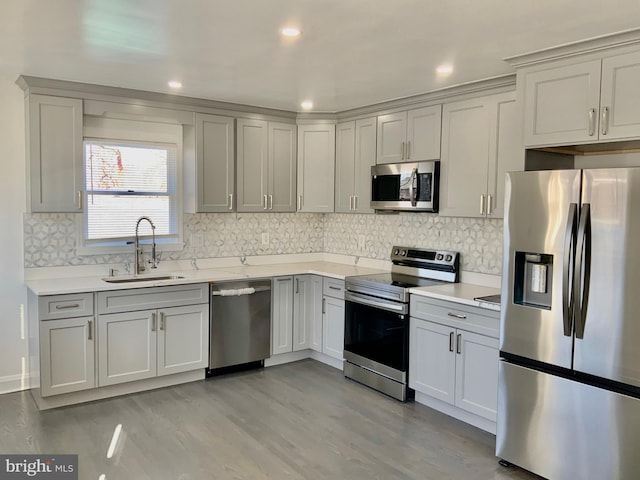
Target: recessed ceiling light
[(307, 105), (175, 84), (290, 32), (444, 69)]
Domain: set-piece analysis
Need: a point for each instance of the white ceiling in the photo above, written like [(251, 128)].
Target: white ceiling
[(351, 53)]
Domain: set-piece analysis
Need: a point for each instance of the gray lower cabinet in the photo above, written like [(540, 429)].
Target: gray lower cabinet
[(307, 313), (67, 355), (148, 343), (215, 157), (282, 315), (55, 154), (333, 318)]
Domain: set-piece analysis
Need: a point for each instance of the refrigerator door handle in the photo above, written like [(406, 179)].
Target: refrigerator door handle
[(569, 252), (583, 255)]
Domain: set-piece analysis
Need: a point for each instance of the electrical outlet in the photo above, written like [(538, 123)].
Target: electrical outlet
[(361, 240), (265, 239)]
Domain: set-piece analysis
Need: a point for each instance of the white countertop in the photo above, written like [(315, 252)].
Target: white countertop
[(459, 292), (57, 286)]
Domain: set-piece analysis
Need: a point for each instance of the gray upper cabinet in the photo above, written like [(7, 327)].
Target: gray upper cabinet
[(573, 101), (480, 143), (215, 163), (316, 167), (266, 166), (409, 136), (355, 155), (54, 149)]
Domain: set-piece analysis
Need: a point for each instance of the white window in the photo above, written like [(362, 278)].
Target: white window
[(126, 179)]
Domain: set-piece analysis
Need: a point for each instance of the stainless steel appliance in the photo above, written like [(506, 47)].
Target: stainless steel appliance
[(376, 339), (405, 186), (569, 398), (240, 323)]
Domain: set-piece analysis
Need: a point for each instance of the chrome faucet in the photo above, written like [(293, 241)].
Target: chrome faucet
[(139, 266)]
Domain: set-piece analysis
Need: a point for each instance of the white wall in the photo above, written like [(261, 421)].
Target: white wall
[(12, 205)]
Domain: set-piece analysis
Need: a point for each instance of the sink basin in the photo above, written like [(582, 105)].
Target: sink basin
[(141, 279)]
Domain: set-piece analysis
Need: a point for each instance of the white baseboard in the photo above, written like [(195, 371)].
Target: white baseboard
[(455, 412), (14, 383)]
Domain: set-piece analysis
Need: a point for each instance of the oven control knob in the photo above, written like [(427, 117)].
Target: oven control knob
[(396, 252), (403, 253), (448, 258), (439, 256)]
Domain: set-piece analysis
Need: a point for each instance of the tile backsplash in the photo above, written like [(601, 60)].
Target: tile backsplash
[(50, 239)]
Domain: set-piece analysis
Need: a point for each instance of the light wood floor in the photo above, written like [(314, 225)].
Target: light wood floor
[(298, 421)]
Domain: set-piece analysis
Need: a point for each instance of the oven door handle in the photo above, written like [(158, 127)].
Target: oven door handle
[(400, 308)]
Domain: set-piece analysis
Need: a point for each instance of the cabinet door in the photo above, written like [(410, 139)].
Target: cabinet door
[(55, 153), (126, 347), (282, 315), (183, 339), (345, 166), (423, 133), (252, 164), (365, 158), (333, 327), (67, 355), (620, 97), (392, 134), (215, 163), (307, 312), (558, 103), (282, 167), (316, 166), (506, 151), (465, 158), (432, 360), (477, 374)]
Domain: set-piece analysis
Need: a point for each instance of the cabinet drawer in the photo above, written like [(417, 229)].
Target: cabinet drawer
[(53, 307), (149, 298), (333, 288), (456, 315)]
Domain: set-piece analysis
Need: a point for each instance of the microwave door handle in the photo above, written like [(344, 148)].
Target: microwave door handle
[(569, 254), (583, 260), (413, 188)]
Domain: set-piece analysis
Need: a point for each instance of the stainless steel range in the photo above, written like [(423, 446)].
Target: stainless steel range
[(376, 341)]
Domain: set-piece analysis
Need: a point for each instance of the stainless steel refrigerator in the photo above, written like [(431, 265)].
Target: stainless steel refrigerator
[(568, 403)]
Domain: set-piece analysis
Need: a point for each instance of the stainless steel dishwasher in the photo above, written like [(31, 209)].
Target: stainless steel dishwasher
[(240, 324)]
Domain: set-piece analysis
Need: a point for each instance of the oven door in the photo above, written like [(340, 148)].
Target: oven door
[(377, 335)]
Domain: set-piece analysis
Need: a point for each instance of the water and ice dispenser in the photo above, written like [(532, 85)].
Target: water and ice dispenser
[(533, 279)]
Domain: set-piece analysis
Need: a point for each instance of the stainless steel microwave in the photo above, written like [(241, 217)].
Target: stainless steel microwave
[(405, 186)]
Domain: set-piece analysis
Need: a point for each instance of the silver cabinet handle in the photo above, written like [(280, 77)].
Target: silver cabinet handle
[(90, 330), (79, 199), (297, 285), (605, 120), (68, 305), (489, 204), (265, 202), (451, 341), (161, 320), (324, 303), (350, 202), (482, 204), (457, 315), (153, 322), (408, 149), (270, 202), (459, 344), (299, 202), (592, 122), (334, 288), (402, 151), (231, 201), (355, 202)]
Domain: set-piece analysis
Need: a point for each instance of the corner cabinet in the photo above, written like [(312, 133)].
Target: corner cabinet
[(581, 101), (266, 166), (215, 160), (355, 155), (480, 143), (409, 136), (453, 359), (316, 167), (307, 312), (55, 154)]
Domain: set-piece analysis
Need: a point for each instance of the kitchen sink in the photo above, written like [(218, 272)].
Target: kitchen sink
[(141, 279)]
